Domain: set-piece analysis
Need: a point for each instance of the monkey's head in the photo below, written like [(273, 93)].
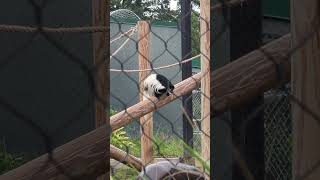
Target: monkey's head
[(157, 85)]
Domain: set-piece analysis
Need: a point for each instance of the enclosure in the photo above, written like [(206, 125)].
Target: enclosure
[(245, 103)]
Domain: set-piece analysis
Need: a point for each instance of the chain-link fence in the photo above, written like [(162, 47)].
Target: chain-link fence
[(278, 136), (54, 99)]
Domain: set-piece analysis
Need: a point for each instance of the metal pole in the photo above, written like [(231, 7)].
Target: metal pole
[(186, 72)]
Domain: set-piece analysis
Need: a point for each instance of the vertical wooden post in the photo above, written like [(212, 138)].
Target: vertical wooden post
[(205, 80), (146, 121), (186, 51), (306, 88), (100, 14), (247, 136), (99, 18), (221, 130)]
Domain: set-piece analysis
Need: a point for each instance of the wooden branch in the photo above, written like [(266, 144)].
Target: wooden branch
[(125, 158), (306, 89), (83, 157), (146, 121), (233, 84), (205, 80)]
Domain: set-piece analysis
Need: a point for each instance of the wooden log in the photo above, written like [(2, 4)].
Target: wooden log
[(233, 84), (249, 76), (125, 158), (205, 78), (82, 158), (306, 89), (146, 122)]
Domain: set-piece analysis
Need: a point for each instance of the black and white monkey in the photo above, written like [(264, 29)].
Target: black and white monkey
[(157, 85)]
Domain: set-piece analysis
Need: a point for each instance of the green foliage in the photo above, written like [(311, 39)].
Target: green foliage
[(112, 112), (164, 146), (160, 10), (125, 173), (8, 161), (168, 147), (195, 33), (120, 139), (147, 10)]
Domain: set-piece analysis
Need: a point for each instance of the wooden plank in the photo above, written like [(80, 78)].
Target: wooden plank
[(205, 79), (146, 122), (251, 75), (306, 89)]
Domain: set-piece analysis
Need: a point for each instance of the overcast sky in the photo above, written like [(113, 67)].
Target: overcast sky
[(173, 5)]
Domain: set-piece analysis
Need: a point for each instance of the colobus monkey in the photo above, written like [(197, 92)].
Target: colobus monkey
[(157, 85)]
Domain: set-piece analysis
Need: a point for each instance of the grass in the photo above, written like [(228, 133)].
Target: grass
[(164, 146), (125, 173)]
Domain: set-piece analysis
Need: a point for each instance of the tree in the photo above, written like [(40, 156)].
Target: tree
[(163, 12), (159, 10), (195, 33), (139, 7), (147, 9)]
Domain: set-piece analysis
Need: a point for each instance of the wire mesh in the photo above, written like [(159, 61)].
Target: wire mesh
[(278, 136), (165, 58)]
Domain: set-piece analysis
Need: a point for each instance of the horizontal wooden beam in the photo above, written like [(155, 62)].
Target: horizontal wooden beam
[(233, 84), (125, 158), (250, 75)]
